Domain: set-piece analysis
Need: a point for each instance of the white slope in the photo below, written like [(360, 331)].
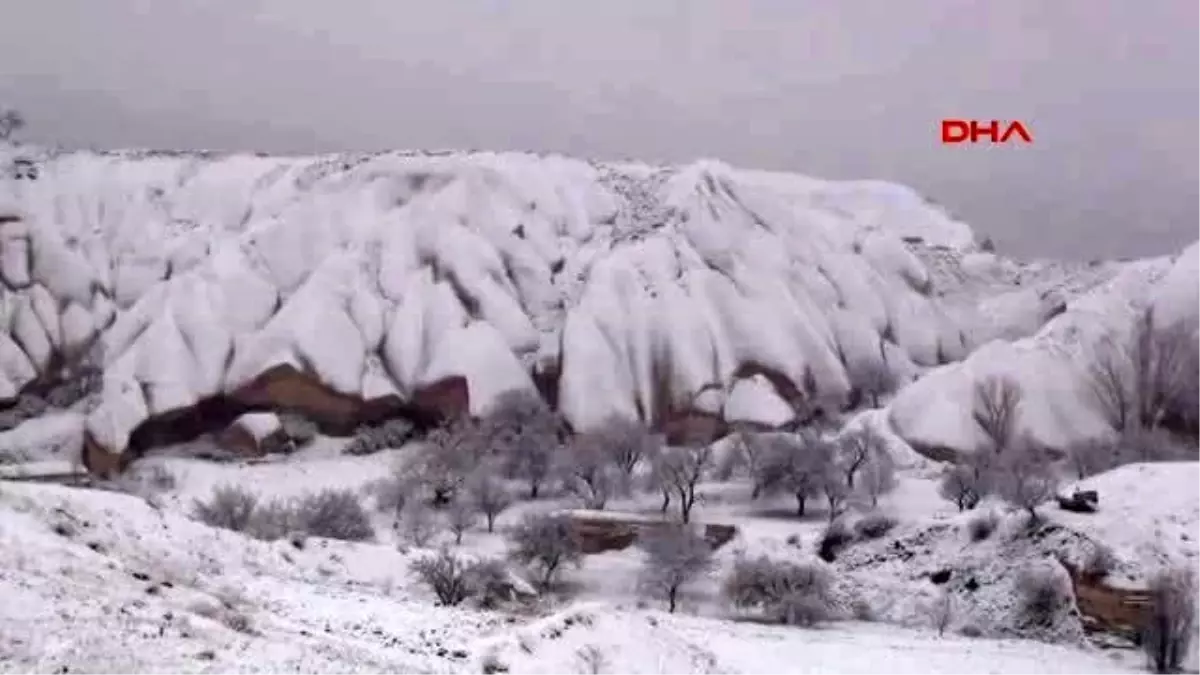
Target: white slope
[(383, 273), (96, 581), (1050, 365)]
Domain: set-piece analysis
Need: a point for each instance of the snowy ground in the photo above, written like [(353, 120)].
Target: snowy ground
[(101, 581)]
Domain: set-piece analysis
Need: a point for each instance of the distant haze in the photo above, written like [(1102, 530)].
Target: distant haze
[(834, 88)]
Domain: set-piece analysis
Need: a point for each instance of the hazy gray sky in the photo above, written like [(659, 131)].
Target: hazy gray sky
[(836, 88)]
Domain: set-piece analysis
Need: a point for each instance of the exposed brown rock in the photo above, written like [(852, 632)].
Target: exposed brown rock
[(1107, 609), (100, 461), (600, 532), (240, 440), (693, 427), (282, 388)]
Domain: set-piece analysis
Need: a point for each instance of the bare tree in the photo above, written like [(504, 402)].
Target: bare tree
[(588, 472), (489, 495), (545, 541), (967, 481), (1025, 477), (11, 121), (837, 494), (625, 444), (678, 471), (878, 476), (418, 523), (1091, 456), (450, 454), (997, 399), (1148, 379), (874, 379), (793, 463), (1171, 625), (941, 612), (856, 448), (674, 555), (523, 429), (448, 575), (461, 515)]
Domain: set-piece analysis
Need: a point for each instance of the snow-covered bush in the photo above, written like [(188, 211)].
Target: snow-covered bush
[(334, 514), (450, 454), (982, 525), (527, 434), (418, 523), (489, 495), (449, 576), (1025, 477), (298, 428), (461, 515), (874, 525), (1171, 625), (968, 481), (1042, 594), (836, 536), (787, 592), (673, 556), (230, 507), (546, 542), (1099, 562), (393, 433)]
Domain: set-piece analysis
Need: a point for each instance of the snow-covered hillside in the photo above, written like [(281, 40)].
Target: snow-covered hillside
[(644, 292)]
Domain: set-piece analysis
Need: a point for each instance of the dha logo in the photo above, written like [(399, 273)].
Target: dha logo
[(961, 131)]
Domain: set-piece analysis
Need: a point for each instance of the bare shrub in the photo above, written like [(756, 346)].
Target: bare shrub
[(997, 400), (393, 433), (967, 481), (835, 537), (449, 576), (673, 556), (677, 471), (1171, 625), (783, 591), (274, 520), (334, 514), (874, 525), (982, 525), (493, 585), (418, 523), (1025, 477), (1152, 445), (390, 494), (545, 542), (460, 517), (523, 430), (591, 660), (791, 463), (1042, 594), (230, 507), (489, 496)]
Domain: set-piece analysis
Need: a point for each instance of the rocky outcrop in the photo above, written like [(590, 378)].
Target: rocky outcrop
[(1105, 608), (280, 389), (599, 532)]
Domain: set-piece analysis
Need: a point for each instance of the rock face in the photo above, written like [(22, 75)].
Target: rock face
[(354, 287), (1108, 609), (606, 531)]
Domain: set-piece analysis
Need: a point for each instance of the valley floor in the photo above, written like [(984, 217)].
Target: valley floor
[(98, 581)]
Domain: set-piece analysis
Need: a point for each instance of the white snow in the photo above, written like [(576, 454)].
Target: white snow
[(644, 282), (755, 400), (259, 425)]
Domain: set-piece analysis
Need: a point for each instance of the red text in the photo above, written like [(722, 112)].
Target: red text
[(996, 131)]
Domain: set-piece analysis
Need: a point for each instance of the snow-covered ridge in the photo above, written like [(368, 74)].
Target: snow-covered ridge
[(634, 288)]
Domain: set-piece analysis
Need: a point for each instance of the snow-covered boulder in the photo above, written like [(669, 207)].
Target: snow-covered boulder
[(253, 435)]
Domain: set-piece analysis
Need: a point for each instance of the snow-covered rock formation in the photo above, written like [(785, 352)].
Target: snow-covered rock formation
[(342, 285)]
